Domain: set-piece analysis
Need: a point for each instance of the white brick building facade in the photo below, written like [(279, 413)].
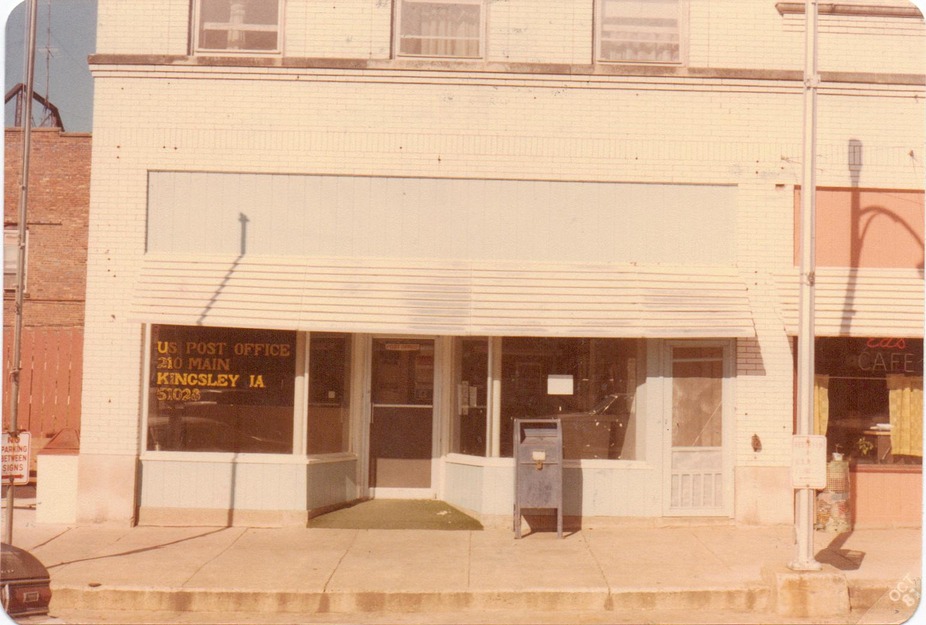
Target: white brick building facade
[(706, 150)]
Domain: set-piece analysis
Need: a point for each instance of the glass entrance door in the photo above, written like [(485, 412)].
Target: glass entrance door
[(698, 479), (402, 416)]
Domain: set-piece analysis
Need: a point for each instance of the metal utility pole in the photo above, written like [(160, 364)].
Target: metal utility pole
[(804, 513), (15, 361)]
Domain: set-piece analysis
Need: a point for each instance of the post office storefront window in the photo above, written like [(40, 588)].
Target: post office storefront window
[(221, 390), (441, 28), (472, 378), (589, 384), (640, 31), (237, 25), (869, 398), (329, 393)]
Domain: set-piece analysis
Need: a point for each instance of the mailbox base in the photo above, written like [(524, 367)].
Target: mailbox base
[(520, 512)]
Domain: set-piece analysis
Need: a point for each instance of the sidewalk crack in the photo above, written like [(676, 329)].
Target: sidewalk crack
[(241, 533), (132, 551), (604, 578), (710, 551), (55, 537), (469, 561), (340, 560)]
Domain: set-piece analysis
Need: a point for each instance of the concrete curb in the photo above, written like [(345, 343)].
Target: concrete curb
[(867, 596), (213, 600)]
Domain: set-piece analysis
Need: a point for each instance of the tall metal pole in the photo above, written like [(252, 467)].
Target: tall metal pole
[(804, 513), (15, 361)]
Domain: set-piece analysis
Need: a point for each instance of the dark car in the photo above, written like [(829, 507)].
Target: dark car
[(25, 587), (596, 433)]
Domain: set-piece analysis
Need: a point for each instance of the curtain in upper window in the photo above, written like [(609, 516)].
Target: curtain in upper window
[(441, 28), (238, 25), (640, 31)]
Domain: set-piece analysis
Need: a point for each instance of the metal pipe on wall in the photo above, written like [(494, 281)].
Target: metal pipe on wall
[(15, 361), (804, 504)]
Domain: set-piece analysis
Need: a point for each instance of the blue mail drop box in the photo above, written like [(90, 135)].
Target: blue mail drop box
[(538, 480)]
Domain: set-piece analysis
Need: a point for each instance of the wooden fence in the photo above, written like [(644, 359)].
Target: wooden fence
[(50, 381)]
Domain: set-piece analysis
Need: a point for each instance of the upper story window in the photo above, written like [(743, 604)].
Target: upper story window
[(11, 256), (640, 31), (238, 25), (441, 28)]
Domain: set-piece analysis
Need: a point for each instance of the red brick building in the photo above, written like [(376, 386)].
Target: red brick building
[(56, 253)]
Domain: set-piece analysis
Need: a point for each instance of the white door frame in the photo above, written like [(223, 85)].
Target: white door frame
[(366, 425), (727, 428)]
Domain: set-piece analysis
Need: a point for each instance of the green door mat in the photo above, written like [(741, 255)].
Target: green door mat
[(397, 514)]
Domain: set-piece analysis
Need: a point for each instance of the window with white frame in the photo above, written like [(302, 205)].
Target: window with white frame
[(640, 31), (238, 25), (214, 389), (441, 28), (11, 256)]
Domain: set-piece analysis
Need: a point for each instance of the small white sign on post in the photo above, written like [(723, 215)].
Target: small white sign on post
[(16, 453), (808, 461)]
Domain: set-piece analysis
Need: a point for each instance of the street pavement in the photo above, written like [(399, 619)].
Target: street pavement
[(609, 574)]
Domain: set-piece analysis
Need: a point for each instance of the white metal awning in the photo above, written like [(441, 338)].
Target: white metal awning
[(858, 302), (442, 298)]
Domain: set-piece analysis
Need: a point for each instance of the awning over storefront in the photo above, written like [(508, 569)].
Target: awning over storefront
[(858, 302), (452, 298)]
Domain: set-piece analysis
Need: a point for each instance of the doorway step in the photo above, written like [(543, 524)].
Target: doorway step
[(397, 514)]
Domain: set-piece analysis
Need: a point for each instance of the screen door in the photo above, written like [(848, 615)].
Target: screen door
[(697, 482)]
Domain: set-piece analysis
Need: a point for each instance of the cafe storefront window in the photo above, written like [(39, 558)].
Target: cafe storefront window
[(221, 390), (869, 399), (588, 383)]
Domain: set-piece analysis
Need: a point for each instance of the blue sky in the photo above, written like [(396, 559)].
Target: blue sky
[(65, 36)]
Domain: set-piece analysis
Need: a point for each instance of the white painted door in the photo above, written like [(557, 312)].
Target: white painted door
[(698, 430)]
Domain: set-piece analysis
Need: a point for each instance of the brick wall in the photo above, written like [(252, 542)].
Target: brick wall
[(57, 222)]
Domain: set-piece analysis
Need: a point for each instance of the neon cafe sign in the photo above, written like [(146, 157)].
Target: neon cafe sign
[(888, 355)]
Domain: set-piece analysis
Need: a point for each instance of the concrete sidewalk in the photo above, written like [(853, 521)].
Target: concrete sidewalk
[(720, 568)]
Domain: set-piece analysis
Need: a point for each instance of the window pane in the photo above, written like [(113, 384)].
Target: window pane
[(473, 372), (859, 370), (329, 394), (221, 389), (451, 29), (10, 257), (697, 397), (404, 372), (590, 384), (640, 30), (238, 25)]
